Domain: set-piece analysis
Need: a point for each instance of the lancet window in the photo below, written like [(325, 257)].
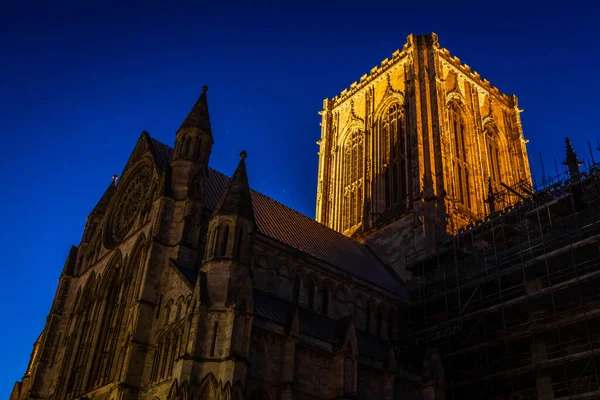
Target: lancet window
[(221, 239), (493, 155), (168, 348), (353, 178), (394, 149), (86, 319), (460, 156)]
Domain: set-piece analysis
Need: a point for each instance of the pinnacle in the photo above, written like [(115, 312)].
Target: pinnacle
[(198, 117), (237, 200)]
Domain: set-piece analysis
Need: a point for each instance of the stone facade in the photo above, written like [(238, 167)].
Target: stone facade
[(433, 135), (188, 284)]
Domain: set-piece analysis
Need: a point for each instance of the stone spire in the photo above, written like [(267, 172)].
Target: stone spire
[(236, 201), (198, 118), (193, 145)]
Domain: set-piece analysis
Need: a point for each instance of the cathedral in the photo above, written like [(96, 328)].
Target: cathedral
[(190, 285)]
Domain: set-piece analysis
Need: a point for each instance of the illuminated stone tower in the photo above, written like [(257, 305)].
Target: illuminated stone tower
[(407, 152)]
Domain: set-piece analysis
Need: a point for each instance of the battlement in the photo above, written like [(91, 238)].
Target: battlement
[(375, 73), (422, 41), (475, 76)]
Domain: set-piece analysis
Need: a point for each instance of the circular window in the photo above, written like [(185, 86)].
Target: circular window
[(129, 204)]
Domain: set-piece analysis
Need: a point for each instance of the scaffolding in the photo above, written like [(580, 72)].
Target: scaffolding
[(513, 303)]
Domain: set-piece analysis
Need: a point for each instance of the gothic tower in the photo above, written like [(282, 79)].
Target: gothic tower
[(406, 152)]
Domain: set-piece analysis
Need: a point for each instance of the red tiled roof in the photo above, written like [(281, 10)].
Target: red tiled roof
[(296, 230)]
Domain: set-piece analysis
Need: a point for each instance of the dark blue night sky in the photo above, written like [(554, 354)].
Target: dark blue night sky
[(79, 82)]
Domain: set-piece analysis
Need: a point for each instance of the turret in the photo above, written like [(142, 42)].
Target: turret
[(187, 178)]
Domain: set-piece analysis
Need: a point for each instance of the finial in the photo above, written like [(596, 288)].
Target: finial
[(243, 155), (204, 89), (491, 199), (571, 160), (114, 178)]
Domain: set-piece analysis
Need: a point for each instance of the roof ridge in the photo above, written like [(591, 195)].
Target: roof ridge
[(271, 198), (295, 211)]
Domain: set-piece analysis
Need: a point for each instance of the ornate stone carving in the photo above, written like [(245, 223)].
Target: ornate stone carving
[(353, 114), (129, 204)]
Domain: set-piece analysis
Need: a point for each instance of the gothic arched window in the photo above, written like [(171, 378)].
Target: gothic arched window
[(460, 155), (353, 171), (192, 148), (86, 318), (394, 158), (186, 147), (115, 309), (296, 291), (222, 239), (493, 155), (158, 349)]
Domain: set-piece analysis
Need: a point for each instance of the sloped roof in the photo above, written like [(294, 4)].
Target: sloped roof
[(298, 231), (162, 154), (237, 199)]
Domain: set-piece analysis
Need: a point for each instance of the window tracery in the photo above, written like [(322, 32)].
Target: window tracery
[(353, 177), (129, 204), (460, 156), (79, 341), (168, 348), (493, 156), (394, 157)]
